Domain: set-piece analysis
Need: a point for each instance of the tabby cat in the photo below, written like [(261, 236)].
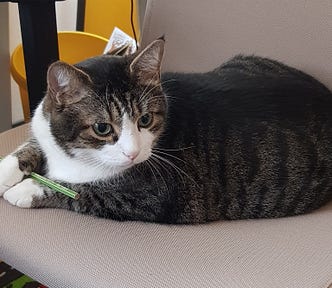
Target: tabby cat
[(250, 139)]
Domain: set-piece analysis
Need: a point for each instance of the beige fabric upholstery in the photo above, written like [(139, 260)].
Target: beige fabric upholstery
[(64, 249), (202, 34)]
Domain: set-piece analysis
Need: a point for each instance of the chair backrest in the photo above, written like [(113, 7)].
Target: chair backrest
[(202, 34)]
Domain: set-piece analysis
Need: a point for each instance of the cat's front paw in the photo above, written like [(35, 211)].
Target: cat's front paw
[(22, 194), (10, 173)]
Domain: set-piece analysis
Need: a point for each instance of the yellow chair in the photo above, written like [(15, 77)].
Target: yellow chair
[(73, 47), (101, 16)]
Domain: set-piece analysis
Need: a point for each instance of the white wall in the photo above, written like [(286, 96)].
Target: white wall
[(66, 15), (66, 20)]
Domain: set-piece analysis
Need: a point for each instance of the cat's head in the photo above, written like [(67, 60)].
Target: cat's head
[(107, 110)]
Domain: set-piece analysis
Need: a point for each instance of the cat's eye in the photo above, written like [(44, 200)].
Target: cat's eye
[(145, 120), (102, 129)]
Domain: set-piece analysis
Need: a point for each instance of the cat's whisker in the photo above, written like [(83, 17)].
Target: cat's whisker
[(107, 94), (160, 164), (104, 165), (145, 94), (162, 96), (147, 86), (140, 99), (165, 167), (149, 161), (174, 149), (155, 98), (87, 161), (167, 81), (151, 167), (179, 170), (95, 163), (169, 155)]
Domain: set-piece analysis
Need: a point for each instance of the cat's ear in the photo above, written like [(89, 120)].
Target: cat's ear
[(66, 84), (147, 64)]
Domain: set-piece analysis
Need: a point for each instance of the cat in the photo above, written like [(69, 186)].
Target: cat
[(250, 139)]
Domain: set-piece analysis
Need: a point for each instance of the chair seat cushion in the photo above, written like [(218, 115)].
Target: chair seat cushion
[(63, 249)]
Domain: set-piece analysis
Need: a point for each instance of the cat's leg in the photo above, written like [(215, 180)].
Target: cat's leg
[(26, 192), (17, 189), (15, 166), (10, 173), (31, 194), (23, 193)]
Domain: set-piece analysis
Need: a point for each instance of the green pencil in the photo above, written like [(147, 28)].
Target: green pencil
[(53, 185)]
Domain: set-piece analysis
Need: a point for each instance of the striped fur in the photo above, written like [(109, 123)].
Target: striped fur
[(250, 139)]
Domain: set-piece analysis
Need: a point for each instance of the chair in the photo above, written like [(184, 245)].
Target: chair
[(73, 47), (101, 16), (64, 249)]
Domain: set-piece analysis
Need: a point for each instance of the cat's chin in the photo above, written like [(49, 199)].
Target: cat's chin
[(120, 169), (125, 166)]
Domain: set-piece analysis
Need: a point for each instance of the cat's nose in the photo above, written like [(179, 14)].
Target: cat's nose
[(131, 155)]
